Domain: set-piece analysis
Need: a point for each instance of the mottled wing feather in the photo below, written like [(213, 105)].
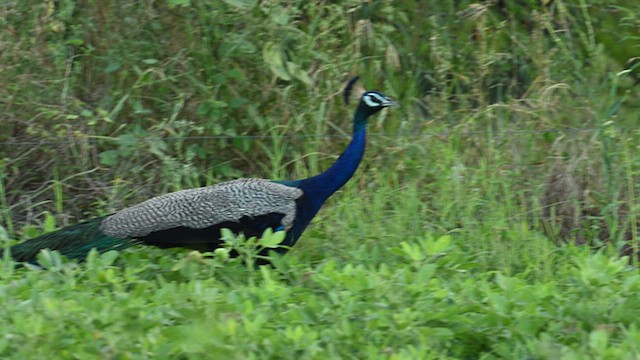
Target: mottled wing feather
[(205, 207)]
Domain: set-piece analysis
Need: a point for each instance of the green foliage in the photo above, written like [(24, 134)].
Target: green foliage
[(436, 249), (418, 304), (250, 251)]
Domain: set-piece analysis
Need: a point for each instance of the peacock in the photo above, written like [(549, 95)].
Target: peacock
[(193, 218)]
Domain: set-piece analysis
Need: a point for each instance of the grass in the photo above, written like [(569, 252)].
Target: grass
[(438, 248)]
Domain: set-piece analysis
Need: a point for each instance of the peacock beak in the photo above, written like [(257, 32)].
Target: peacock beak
[(389, 103)]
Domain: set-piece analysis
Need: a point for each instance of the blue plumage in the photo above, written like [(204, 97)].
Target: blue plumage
[(194, 218)]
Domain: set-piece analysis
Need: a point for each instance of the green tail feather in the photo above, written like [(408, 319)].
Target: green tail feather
[(74, 242)]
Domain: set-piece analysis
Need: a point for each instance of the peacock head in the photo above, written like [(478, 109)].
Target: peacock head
[(373, 101), (370, 102)]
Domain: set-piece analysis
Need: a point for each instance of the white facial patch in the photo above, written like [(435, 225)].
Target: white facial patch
[(370, 100)]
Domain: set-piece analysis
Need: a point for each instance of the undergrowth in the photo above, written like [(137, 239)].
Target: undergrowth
[(458, 237)]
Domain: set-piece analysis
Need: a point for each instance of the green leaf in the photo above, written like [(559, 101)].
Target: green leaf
[(50, 259), (221, 254), (4, 235), (412, 251), (237, 102), (598, 340), (236, 74), (299, 73), (219, 78), (49, 222), (274, 58), (272, 240), (126, 140), (174, 3), (438, 246), (113, 67), (281, 18), (75, 42), (109, 257), (227, 234), (109, 157), (246, 47), (241, 4)]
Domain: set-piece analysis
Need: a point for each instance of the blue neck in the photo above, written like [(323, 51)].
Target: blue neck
[(325, 184)]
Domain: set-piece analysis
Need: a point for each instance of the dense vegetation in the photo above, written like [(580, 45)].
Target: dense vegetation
[(515, 141)]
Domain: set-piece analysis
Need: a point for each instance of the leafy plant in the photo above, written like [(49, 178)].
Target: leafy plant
[(438, 248)]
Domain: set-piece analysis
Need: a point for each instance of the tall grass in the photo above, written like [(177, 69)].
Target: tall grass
[(438, 247), (494, 100)]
